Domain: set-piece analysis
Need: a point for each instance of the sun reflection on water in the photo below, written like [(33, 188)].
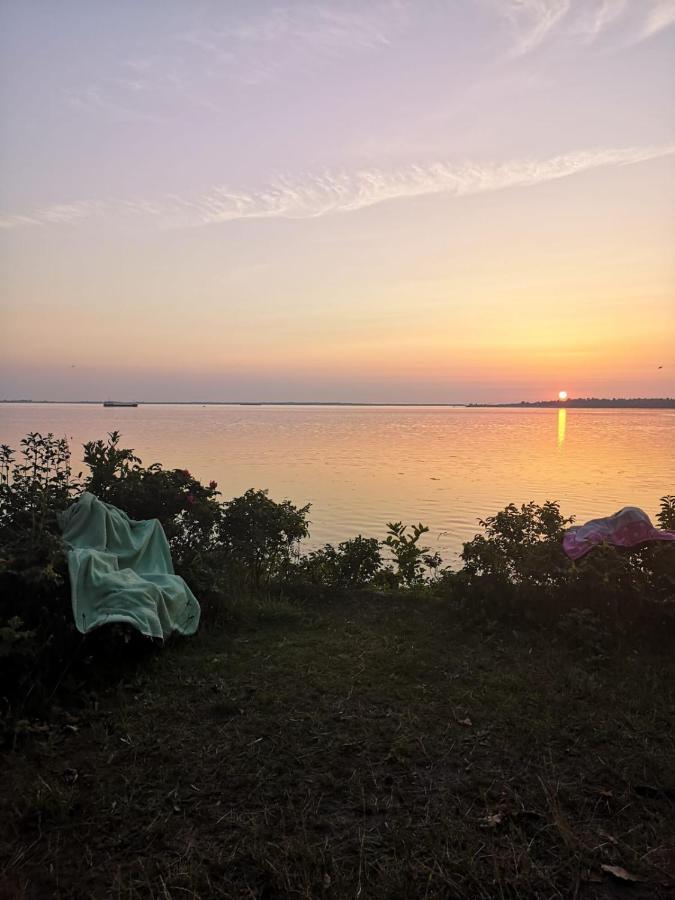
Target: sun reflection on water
[(562, 425)]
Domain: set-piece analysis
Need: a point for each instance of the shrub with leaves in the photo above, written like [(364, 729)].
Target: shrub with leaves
[(519, 545), (187, 510), (354, 564), (518, 566), (173, 496), (109, 464), (33, 489), (37, 634), (408, 555), (260, 537), (666, 515)]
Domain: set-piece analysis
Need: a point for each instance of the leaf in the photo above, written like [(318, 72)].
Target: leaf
[(603, 792), (620, 873), (466, 721), (492, 821)]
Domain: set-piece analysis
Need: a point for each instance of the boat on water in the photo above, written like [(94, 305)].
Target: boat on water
[(118, 403)]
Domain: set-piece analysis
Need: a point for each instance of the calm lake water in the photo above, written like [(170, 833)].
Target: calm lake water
[(361, 467)]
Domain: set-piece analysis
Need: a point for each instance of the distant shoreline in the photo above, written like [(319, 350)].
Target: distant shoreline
[(585, 403), (578, 403)]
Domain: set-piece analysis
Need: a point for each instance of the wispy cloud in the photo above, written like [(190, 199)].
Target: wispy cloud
[(535, 22), (246, 45), (660, 16), (243, 45), (316, 195), (321, 195)]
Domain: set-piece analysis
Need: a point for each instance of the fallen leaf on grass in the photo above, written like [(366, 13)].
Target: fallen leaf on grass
[(492, 821), (466, 721), (620, 873)]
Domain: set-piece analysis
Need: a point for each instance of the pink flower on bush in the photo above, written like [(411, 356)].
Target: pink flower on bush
[(213, 485), (184, 472)]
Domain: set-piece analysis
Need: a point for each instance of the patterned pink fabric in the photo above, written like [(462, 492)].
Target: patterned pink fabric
[(626, 528)]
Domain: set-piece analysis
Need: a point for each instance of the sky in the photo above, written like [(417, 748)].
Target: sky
[(388, 201)]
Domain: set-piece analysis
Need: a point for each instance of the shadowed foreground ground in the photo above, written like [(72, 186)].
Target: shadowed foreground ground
[(373, 750)]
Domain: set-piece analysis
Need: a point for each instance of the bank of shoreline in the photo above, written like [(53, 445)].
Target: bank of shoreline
[(627, 403)]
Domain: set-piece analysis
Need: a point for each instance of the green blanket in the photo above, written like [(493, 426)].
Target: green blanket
[(121, 571)]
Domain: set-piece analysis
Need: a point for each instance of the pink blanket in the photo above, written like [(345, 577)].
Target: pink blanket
[(626, 528)]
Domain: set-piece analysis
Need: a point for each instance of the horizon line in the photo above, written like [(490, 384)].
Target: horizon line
[(553, 401)]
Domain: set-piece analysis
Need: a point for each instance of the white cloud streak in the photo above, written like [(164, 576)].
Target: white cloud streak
[(249, 46), (329, 193), (535, 22), (660, 16), (242, 46)]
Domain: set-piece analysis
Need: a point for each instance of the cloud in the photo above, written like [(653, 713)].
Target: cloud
[(241, 45), (320, 27), (660, 16), (233, 45), (316, 195), (320, 195), (535, 22)]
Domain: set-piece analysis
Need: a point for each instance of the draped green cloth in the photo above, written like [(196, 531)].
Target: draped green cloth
[(121, 571)]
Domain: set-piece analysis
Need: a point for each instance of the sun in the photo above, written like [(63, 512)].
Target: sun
[(562, 395)]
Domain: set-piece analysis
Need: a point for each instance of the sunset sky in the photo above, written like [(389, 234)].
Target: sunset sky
[(393, 200)]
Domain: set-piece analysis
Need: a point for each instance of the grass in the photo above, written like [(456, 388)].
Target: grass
[(380, 749)]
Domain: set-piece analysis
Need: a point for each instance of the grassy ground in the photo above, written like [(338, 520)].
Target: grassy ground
[(380, 749)]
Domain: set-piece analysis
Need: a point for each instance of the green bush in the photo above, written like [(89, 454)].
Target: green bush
[(666, 515), (518, 568), (260, 537), (408, 556), (354, 564), (521, 545), (37, 635), (187, 510)]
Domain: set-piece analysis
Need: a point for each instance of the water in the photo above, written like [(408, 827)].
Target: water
[(361, 467)]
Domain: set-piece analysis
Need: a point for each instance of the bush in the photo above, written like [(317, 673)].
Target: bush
[(186, 509), (520, 546), (518, 568), (354, 564), (39, 643), (666, 515), (260, 537), (37, 634), (408, 556)]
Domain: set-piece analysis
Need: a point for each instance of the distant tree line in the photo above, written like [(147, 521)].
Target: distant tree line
[(595, 403)]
